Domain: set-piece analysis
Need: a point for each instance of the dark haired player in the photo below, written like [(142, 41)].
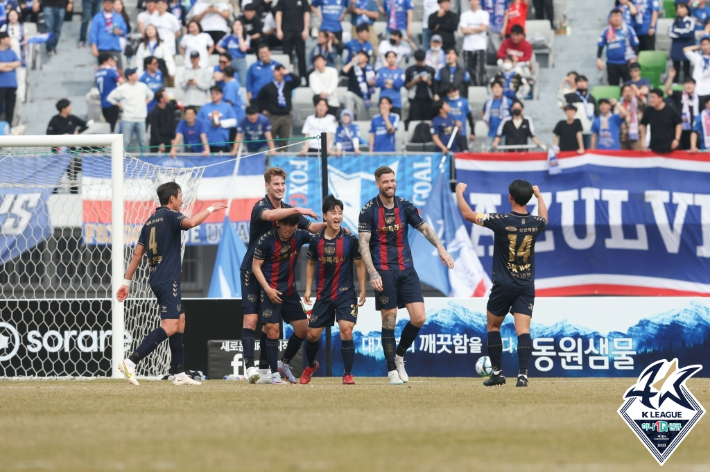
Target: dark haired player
[(274, 267), (513, 289), (384, 247), (160, 238), (332, 254), (264, 215)]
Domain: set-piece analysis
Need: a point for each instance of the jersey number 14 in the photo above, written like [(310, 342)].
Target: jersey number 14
[(523, 250)]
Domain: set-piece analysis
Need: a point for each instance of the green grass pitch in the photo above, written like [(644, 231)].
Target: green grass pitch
[(429, 424)]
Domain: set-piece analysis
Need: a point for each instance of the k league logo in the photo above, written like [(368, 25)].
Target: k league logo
[(660, 409)]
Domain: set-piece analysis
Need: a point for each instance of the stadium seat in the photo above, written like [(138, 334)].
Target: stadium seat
[(663, 41), (653, 64), (606, 91), (380, 28), (364, 127), (302, 106), (214, 60), (251, 59), (477, 97), (542, 37), (284, 59), (179, 60), (481, 131), (669, 8)]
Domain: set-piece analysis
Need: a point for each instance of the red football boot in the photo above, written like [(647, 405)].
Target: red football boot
[(307, 373), (349, 379)]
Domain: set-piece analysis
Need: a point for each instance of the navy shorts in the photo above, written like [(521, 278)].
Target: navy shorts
[(506, 299), (289, 310), (399, 288), (250, 292), (326, 313), (169, 300)]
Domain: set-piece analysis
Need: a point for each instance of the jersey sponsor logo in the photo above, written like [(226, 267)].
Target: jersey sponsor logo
[(342, 289), (511, 228), (251, 297), (389, 229), (384, 299), (267, 313)]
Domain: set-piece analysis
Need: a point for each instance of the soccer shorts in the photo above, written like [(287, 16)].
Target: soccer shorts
[(169, 300), (250, 292), (399, 288), (506, 299), (289, 310), (326, 313)]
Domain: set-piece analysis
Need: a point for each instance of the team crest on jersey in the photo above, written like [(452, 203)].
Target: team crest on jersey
[(267, 313), (389, 219), (510, 228), (251, 297), (384, 299), (285, 249), (329, 250)]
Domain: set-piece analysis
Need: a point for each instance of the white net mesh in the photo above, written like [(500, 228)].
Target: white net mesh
[(55, 259)]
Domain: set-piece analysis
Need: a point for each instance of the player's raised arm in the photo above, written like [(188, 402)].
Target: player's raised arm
[(466, 212), (541, 208), (197, 219), (433, 238), (310, 273), (278, 214), (122, 293)]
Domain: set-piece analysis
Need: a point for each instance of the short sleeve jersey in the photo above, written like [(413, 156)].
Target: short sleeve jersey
[(255, 133), (389, 243), (334, 264), (280, 258), (161, 236), (258, 227), (514, 255)]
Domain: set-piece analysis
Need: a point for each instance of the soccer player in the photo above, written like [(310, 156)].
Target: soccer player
[(160, 239), (388, 260), (274, 266), (264, 215), (332, 254), (513, 290)]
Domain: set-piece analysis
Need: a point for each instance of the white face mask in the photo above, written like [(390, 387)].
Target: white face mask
[(454, 97), (507, 66), (436, 48)]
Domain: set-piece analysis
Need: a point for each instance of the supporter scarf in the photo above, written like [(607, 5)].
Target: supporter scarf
[(611, 34), (507, 80), (641, 7), (685, 100), (585, 100), (633, 118), (152, 46), (705, 122), (503, 110), (109, 21), (392, 21), (280, 90), (17, 31), (365, 89), (706, 63)]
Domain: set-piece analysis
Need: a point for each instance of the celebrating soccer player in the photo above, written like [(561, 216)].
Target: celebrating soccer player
[(513, 290), (264, 215), (388, 260), (274, 267), (160, 238), (332, 254)]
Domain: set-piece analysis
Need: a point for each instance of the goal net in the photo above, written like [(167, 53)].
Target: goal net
[(69, 221)]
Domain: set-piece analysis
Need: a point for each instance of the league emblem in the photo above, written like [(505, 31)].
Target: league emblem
[(660, 409)]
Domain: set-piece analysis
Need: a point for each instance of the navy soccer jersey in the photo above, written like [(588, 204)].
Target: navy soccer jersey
[(161, 237), (280, 259), (514, 255), (389, 244), (259, 227), (255, 132), (334, 264)]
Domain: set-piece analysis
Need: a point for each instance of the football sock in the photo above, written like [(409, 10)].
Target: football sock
[(495, 350), (524, 353), (311, 351), (177, 353), (263, 359), (248, 347), (347, 349), (272, 352), (409, 334), (154, 338), (388, 346), (294, 344)]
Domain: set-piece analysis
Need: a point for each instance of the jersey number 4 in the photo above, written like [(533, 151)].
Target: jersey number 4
[(523, 250), (153, 244)]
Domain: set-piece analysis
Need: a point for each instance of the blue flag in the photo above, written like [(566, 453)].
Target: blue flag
[(225, 276), (467, 278), (40, 38)]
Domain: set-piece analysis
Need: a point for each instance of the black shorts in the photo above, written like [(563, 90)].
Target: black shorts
[(399, 288), (289, 310), (169, 300), (326, 313), (250, 292), (506, 299)]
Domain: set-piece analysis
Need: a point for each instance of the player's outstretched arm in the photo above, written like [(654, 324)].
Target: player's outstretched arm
[(310, 273), (361, 279), (364, 244), (197, 219), (122, 293), (541, 208), (433, 238), (280, 213), (466, 212), (272, 293)]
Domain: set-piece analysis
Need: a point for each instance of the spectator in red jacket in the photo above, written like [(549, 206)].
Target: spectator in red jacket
[(517, 47)]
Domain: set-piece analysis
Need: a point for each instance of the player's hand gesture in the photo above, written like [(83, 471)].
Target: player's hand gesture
[(446, 258), (122, 293), (273, 295), (219, 206), (307, 296), (307, 212), (363, 296), (376, 281), (461, 187), (536, 191)]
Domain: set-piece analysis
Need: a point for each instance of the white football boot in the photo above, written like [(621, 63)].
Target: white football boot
[(399, 362), (184, 379), (128, 369), (253, 375), (264, 376), (276, 379), (394, 378)]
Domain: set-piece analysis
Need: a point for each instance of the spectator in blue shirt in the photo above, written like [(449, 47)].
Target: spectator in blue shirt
[(255, 128), (682, 34), (152, 77), (8, 79), (701, 13), (646, 19), (606, 128), (495, 110), (628, 12), (233, 93), (107, 28), (193, 133), (237, 45), (390, 79), (364, 12), (640, 84), (460, 111), (498, 13), (701, 129), (383, 128), (219, 118), (106, 79), (331, 13), (347, 136), (400, 17), (225, 60), (362, 41), (326, 46), (442, 128), (261, 72), (621, 44), (5, 7)]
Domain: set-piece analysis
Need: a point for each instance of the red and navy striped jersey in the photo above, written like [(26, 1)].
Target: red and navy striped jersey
[(161, 237), (259, 227), (334, 264), (389, 243), (280, 258)]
